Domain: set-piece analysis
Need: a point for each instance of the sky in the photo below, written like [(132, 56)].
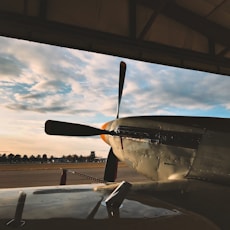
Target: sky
[(40, 82)]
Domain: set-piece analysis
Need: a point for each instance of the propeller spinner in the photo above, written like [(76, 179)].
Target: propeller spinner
[(71, 129)]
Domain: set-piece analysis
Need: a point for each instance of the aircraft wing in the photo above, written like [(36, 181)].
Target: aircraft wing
[(93, 206), (201, 197)]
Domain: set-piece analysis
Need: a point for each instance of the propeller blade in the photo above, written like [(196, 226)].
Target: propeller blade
[(71, 129), (110, 173), (121, 84)]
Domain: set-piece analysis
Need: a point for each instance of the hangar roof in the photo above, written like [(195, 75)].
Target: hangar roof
[(182, 33)]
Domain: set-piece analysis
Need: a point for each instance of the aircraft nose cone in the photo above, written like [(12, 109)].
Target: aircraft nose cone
[(105, 137)]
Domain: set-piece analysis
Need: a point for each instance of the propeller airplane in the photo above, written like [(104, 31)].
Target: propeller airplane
[(187, 159), (160, 147)]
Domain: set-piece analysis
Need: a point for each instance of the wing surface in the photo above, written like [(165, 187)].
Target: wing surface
[(83, 206)]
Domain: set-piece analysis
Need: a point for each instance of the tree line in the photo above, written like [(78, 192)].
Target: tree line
[(17, 158)]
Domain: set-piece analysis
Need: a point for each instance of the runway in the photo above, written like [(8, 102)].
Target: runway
[(14, 177)]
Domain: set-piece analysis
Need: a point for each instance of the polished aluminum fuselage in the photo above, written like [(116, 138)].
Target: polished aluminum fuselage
[(165, 148)]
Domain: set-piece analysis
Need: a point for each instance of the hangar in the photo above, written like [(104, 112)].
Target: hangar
[(181, 33)]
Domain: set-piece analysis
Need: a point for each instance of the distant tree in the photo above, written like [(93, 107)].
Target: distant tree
[(32, 158), (68, 158), (10, 158), (75, 158), (17, 158), (3, 158), (81, 158), (51, 158), (63, 158), (39, 158), (25, 158), (44, 158)]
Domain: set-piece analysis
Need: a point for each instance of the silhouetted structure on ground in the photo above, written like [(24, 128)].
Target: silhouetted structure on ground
[(17, 158)]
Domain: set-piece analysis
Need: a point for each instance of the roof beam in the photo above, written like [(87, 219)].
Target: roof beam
[(224, 52), (91, 40), (25, 10), (154, 15), (41, 30), (43, 9), (215, 8), (211, 30), (132, 19)]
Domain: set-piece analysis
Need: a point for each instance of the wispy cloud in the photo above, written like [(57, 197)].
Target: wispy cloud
[(39, 82)]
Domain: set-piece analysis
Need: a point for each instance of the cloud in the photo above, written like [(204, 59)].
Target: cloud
[(164, 88), (81, 81), (10, 67), (73, 79), (48, 86), (39, 82), (38, 109), (30, 96)]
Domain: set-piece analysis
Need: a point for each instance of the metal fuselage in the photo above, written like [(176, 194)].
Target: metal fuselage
[(173, 147)]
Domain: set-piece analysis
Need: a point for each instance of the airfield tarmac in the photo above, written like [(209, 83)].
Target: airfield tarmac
[(29, 175)]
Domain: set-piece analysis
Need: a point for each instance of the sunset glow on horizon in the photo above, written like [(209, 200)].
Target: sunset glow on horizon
[(40, 82)]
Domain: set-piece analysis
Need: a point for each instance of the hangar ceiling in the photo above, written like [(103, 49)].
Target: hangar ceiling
[(182, 33)]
